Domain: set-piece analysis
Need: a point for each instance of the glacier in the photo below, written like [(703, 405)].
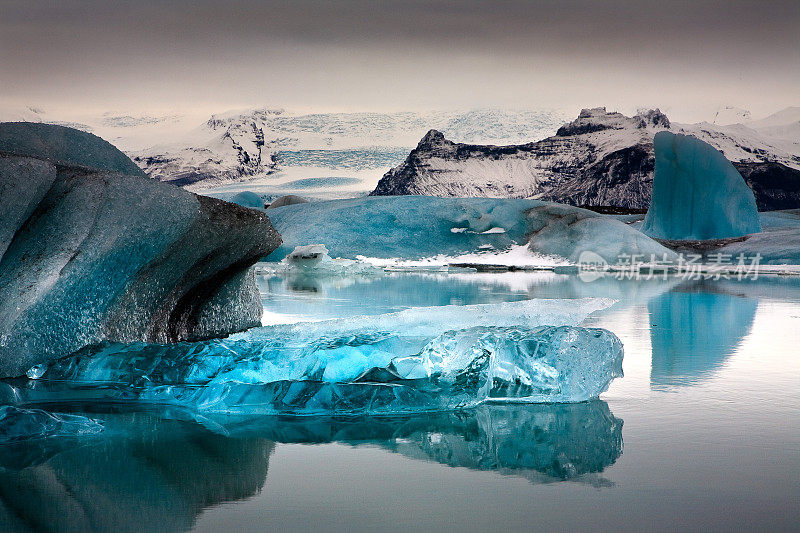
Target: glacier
[(697, 193), (416, 227), (417, 360)]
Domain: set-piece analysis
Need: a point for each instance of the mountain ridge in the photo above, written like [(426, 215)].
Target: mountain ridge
[(599, 159)]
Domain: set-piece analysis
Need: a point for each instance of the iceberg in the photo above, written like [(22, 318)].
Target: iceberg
[(575, 234), (91, 255), (697, 193), (417, 360), (289, 199), (313, 260), (417, 227), (66, 146)]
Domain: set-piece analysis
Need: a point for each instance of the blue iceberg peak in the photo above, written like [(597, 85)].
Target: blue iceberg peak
[(697, 193)]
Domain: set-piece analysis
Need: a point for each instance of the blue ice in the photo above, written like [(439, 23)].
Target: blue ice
[(417, 360), (697, 193)]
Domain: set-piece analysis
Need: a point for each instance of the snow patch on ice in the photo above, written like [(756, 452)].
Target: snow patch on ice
[(518, 256)]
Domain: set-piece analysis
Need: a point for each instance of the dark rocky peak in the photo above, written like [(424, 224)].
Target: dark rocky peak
[(598, 119), (432, 139), (652, 117)]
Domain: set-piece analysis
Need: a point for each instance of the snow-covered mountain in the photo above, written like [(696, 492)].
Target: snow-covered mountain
[(279, 151), (726, 115), (782, 128), (307, 152), (599, 159)]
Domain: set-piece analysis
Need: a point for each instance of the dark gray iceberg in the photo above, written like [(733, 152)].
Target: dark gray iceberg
[(90, 253)]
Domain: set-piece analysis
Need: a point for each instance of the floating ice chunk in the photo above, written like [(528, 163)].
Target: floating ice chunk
[(289, 199), (493, 230), (35, 372), (422, 359), (697, 193), (307, 256), (313, 260), (92, 256), (22, 424)]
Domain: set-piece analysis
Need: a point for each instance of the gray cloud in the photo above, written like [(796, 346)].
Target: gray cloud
[(389, 54)]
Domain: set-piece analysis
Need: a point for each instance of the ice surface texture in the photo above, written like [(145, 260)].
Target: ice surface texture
[(697, 193), (569, 232), (413, 227), (88, 256), (421, 359), (22, 424), (64, 146)]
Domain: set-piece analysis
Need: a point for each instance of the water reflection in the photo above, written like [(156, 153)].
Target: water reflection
[(694, 328), (144, 474), (541, 442), (148, 472)]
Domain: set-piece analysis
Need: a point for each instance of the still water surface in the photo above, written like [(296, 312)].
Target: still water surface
[(703, 431)]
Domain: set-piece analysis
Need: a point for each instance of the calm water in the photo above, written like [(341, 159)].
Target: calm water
[(703, 431)]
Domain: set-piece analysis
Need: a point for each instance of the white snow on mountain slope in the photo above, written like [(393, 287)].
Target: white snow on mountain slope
[(726, 115), (335, 155), (782, 128), (322, 154), (744, 143), (600, 158)]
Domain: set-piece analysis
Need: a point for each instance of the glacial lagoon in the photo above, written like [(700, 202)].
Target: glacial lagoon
[(704, 428)]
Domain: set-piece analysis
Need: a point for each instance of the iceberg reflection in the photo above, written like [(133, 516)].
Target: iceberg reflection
[(144, 474), (158, 471), (694, 329)]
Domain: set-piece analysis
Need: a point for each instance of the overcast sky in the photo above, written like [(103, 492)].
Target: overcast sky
[(684, 56)]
